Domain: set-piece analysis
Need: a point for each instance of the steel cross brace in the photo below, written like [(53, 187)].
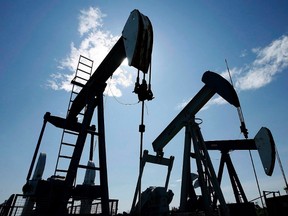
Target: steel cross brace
[(207, 178)]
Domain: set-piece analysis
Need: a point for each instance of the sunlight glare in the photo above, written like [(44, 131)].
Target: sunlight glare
[(125, 62)]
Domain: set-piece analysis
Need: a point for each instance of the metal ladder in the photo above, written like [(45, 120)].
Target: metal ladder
[(68, 138)]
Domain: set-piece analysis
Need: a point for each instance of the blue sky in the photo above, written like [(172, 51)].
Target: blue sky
[(40, 45)]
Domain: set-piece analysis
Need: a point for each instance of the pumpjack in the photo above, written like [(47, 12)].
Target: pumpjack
[(57, 195), (207, 180)]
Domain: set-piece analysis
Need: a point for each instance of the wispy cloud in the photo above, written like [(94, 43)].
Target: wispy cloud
[(243, 53), (90, 19), (60, 81), (269, 62), (214, 101), (95, 44)]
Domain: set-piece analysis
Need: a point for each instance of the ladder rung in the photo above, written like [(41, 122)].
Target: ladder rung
[(83, 71), (88, 167), (71, 132), (81, 56), (71, 101), (61, 170), (65, 156), (77, 83), (93, 132), (75, 92), (68, 144), (86, 64), (82, 114)]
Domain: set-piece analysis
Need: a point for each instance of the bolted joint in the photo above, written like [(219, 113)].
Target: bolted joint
[(244, 129), (142, 128)]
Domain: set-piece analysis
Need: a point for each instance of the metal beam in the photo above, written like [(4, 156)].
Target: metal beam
[(199, 100), (229, 145), (214, 83), (94, 85), (135, 43)]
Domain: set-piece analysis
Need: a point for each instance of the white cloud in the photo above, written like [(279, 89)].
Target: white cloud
[(95, 45), (90, 19), (182, 104), (214, 101), (120, 77), (60, 81), (243, 53), (270, 61)]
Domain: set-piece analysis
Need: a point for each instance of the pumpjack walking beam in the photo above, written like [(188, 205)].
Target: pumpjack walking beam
[(214, 83), (135, 44)]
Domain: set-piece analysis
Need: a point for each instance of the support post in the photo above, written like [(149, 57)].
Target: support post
[(37, 146), (72, 170), (220, 174), (102, 157), (237, 187), (187, 190), (207, 177)]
